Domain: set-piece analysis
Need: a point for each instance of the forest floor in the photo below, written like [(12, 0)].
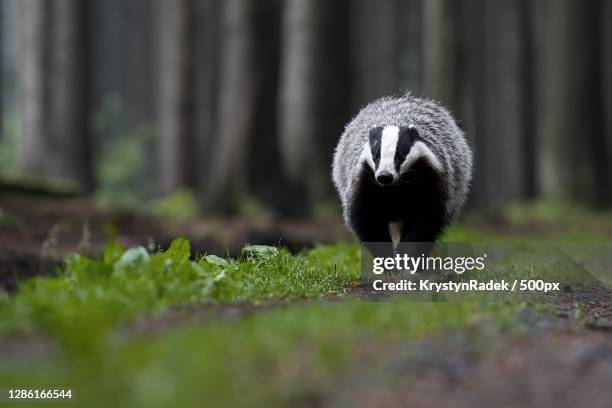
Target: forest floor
[(266, 326), (38, 230)]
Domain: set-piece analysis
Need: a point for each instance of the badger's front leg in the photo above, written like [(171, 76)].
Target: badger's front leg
[(419, 238), (374, 234), (395, 232)]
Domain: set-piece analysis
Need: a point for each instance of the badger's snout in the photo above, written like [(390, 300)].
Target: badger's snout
[(384, 178)]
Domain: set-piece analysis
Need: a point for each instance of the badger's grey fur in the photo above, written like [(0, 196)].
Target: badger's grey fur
[(414, 195)]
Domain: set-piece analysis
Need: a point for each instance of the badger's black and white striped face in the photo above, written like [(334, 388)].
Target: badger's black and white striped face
[(392, 150)]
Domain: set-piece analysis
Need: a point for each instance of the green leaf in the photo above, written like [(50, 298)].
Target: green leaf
[(112, 252), (261, 251), (216, 260), (133, 257), (180, 250)]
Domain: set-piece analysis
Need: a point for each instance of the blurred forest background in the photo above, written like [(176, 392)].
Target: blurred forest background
[(242, 101)]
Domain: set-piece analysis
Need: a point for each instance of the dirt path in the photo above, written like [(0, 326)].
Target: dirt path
[(557, 360), (563, 359), (553, 368)]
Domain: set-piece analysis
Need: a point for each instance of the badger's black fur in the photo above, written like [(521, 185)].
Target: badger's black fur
[(375, 207), (402, 161)]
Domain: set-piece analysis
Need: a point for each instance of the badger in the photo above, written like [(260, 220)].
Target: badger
[(402, 169)]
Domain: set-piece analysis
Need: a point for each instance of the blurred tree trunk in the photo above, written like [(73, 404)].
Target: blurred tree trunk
[(34, 94), (333, 104), (374, 50), (528, 63), (70, 84), (570, 146), (410, 25), (106, 68), (469, 33), (1, 69), (176, 153), (606, 78), (312, 95), (264, 158), (441, 51), (206, 56), (55, 136), (499, 97), (138, 66), (236, 106), (386, 49)]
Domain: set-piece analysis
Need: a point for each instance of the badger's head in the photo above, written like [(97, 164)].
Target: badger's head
[(392, 150)]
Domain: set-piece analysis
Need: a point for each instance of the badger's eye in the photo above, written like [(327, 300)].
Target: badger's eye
[(405, 141), (375, 149), (402, 151), (374, 139)]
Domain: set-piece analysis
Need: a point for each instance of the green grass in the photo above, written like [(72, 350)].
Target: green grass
[(83, 309), (98, 293), (555, 212), (574, 235), (279, 355), (275, 357)]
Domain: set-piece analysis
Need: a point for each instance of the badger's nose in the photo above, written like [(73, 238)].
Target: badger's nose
[(384, 178)]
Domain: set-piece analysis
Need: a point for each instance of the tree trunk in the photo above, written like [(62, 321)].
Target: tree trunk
[(70, 97), (298, 91), (311, 93), (236, 106), (375, 50), (55, 136), (1, 70), (571, 118), (606, 78), (441, 51), (106, 68), (264, 150), (138, 66), (498, 99), (207, 49), (528, 63), (176, 153), (410, 52), (386, 49), (34, 44)]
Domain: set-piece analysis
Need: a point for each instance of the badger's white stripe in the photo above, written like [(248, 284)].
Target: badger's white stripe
[(420, 150), (388, 144), (395, 231)]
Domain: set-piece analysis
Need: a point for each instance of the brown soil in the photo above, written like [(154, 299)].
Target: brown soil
[(558, 362), (557, 359), (552, 369)]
